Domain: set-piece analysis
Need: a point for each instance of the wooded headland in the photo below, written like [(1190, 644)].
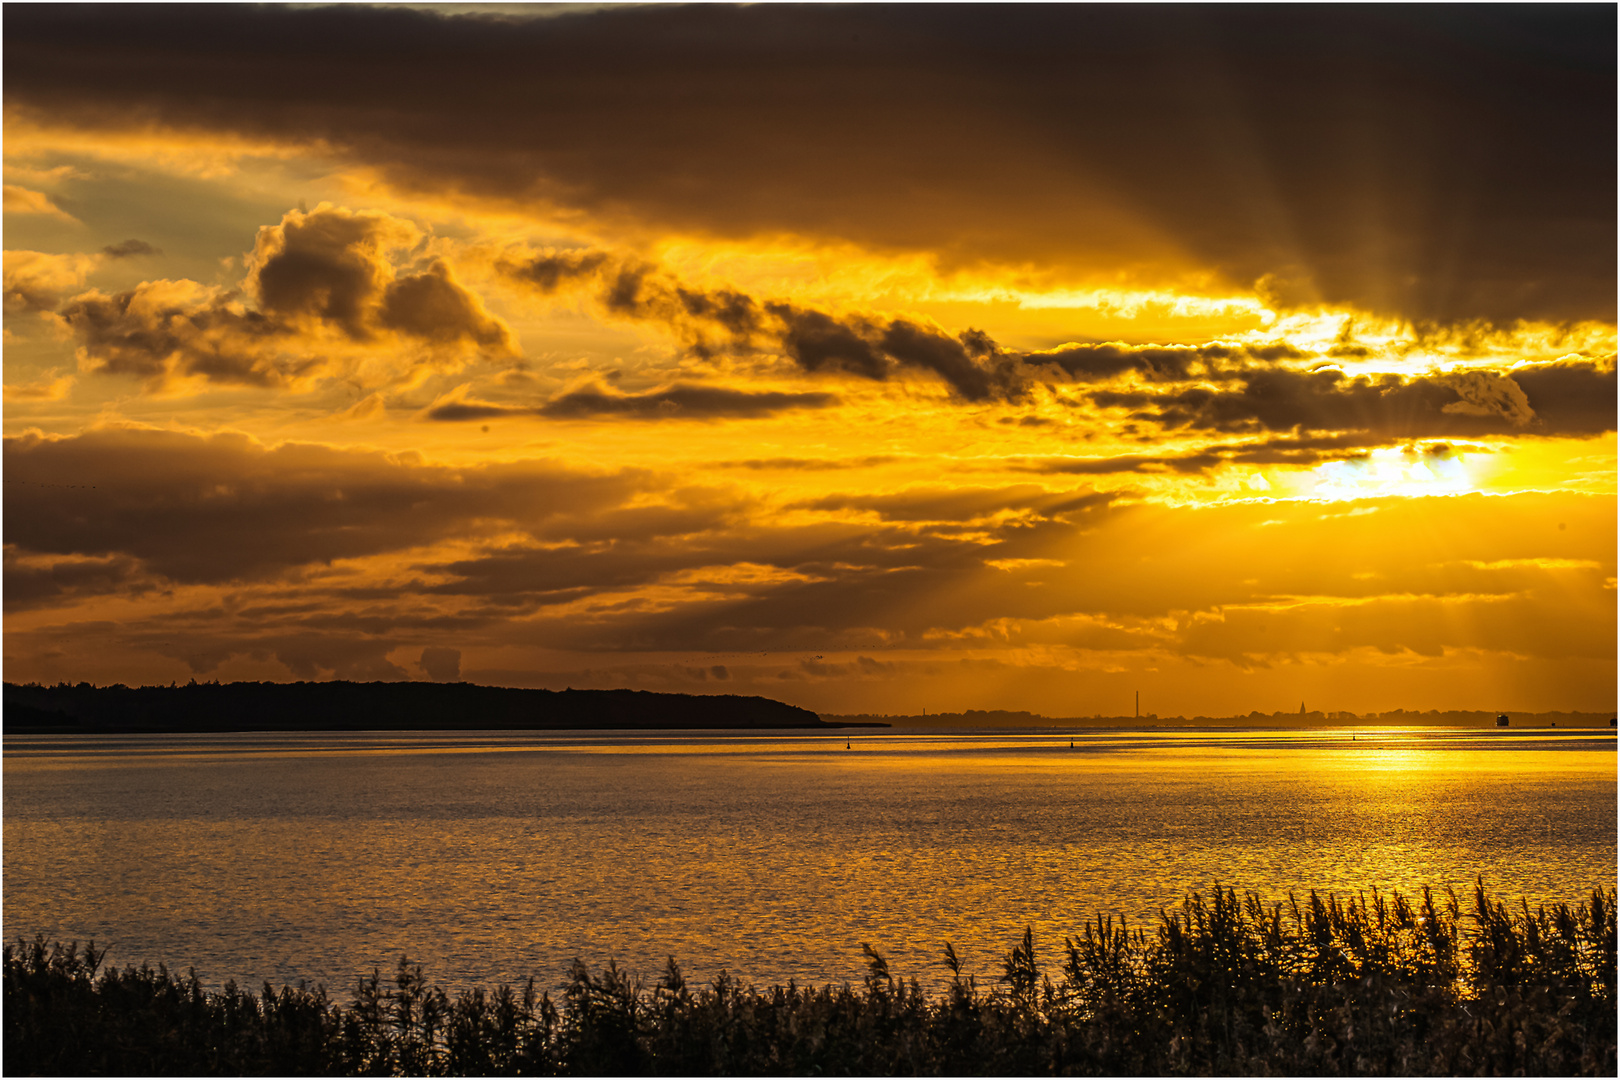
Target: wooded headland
[(380, 706)]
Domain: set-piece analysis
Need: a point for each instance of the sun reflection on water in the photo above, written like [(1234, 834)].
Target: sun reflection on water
[(493, 856)]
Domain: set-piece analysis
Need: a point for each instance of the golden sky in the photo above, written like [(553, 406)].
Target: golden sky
[(867, 358)]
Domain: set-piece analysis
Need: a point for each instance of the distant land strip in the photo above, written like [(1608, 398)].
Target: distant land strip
[(384, 706), (1000, 718)]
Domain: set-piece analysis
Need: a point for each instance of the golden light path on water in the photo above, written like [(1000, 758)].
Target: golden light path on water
[(494, 856)]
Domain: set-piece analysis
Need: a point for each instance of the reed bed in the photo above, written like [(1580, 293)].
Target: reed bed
[(1224, 985)]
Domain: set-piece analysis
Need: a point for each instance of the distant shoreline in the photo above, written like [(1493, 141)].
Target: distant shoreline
[(977, 718), (379, 706), (419, 706)]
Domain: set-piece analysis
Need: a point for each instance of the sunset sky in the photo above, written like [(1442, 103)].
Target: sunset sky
[(866, 358)]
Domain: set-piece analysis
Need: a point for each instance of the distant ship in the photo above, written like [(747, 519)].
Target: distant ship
[(1501, 720)]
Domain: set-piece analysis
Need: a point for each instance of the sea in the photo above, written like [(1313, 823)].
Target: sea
[(494, 857)]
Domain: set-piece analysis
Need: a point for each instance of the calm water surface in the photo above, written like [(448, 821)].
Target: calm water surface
[(490, 857)]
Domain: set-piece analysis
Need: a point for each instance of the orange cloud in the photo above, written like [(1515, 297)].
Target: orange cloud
[(50, 389), (21, 200), (35, 281), (319, 284)]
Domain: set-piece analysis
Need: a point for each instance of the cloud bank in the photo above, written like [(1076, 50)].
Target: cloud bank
[(1342, 155)]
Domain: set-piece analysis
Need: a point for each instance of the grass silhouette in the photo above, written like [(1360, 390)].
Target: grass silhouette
[(1223, 985)]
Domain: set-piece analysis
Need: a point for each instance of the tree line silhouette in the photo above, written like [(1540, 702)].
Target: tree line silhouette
[(379, 706)]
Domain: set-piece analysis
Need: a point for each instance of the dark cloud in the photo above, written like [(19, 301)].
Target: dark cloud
[(623, 294), (55, 581), (949, 358), (632, 288), (1158, 363), (679, 402), (1272, 451), (1436, 162), (223, 507), (642, 291), (203, 640), (960, 504), (461, 411), (432, 306), (1125, 463), (334, 266), (35, 281), (1476, 402), (650, 548), (972, 365), (816, 342), (329, 268), (834, 559), (155, 332), (733, 310), (23, 294), (788, 464), (128, 249), (1254, 394), (441, 664), (683, 512), (1086, 363), (1570, 398), (554, 269), (307, 655)]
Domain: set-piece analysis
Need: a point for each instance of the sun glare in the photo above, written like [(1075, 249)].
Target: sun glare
[(1394, 471)]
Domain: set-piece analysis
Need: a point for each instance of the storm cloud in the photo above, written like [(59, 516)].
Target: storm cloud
[(1355, 155)]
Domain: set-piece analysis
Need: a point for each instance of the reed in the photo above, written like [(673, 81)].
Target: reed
[(1226, 984)]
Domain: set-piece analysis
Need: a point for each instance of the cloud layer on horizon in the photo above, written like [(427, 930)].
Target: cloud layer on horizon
[(373, 553)]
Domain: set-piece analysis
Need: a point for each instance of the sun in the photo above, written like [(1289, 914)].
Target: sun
[(1439, 469)]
